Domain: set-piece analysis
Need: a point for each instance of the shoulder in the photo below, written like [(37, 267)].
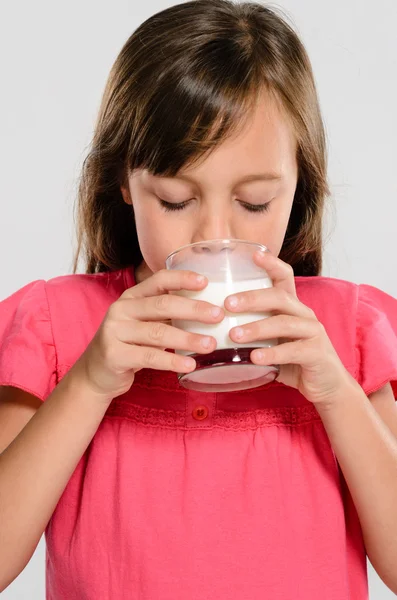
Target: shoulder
[(323, 293), (334, 302), (106, 285), (78, 303), (46, 325), (321, 284), (63, 312), (85, 294), (361, 322), (64, 287), (341, 303)]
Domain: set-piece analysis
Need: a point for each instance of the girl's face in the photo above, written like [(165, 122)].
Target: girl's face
[(214, 199)]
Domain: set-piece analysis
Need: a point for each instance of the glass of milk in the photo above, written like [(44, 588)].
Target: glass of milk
[(229, 268)]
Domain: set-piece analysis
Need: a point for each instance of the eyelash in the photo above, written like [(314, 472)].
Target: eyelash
[(254, 208)]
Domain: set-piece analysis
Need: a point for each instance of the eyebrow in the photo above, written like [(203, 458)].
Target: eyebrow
[(270, 176)]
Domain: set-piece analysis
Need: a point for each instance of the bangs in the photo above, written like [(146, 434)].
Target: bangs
[(188, 117)]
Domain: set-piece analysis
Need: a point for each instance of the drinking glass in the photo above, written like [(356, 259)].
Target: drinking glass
[(229, 268)]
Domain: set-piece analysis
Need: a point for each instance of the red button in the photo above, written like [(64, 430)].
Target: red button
[(200, 412)]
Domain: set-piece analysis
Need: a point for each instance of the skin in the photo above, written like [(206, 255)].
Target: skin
[(267, 143)]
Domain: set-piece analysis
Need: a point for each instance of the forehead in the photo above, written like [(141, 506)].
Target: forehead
[(264, 141), (266, 132)]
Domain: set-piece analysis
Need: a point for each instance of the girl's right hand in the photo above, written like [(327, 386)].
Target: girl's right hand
[(133, 334)]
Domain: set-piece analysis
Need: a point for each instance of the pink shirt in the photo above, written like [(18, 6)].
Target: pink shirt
[(246, 503)]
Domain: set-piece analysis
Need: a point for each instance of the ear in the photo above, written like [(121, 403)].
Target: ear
[(126, 194)]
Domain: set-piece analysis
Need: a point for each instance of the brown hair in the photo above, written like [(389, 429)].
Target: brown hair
[(181, 84)]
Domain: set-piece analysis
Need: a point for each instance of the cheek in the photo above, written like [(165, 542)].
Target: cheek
[(270, 230), (157, 238)]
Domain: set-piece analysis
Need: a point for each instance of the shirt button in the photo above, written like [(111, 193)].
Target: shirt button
[(200, 412)]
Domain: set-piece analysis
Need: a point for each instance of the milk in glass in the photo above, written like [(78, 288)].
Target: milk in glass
[(215, 293)]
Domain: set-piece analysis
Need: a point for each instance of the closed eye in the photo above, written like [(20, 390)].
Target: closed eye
[(170, 206)]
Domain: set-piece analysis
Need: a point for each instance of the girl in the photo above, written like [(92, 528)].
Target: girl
[(209, 127)]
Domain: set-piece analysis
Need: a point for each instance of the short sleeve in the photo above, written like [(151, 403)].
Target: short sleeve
[(27, 350), (376, 340)]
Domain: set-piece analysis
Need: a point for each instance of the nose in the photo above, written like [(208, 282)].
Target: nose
[(217, 224), (216, 246)]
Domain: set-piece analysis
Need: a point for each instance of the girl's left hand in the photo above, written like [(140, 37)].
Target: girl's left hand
[(308, 361)]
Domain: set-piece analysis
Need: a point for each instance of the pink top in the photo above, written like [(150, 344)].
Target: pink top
[(248, 502)]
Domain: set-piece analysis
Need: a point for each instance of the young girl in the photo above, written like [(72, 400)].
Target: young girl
[(209, 128)]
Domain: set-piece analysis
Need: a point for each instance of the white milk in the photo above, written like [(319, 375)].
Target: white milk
[(216, 293)]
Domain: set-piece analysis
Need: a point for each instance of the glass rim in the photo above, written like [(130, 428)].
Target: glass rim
[(223, 240)]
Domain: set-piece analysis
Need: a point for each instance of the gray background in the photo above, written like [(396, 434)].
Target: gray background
[(55, 57)]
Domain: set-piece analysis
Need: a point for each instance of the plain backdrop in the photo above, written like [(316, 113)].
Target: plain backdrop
[(55, 58)]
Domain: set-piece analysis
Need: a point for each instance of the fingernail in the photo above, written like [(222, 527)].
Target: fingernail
[(233, 301), (206, 342), (262, 253), (216, 311), (189, 362), (238, 332)]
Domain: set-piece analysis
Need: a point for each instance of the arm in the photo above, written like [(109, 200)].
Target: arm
[(366, 449), (37, 465)]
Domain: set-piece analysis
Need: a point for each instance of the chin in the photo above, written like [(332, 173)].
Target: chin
[(142, 272)]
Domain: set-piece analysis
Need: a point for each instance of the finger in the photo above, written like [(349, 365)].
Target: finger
[(280, 272), (268, 299), (284, 326), (163, 281), (148, 357), (169, 306), (165, 336), (294, 353)]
